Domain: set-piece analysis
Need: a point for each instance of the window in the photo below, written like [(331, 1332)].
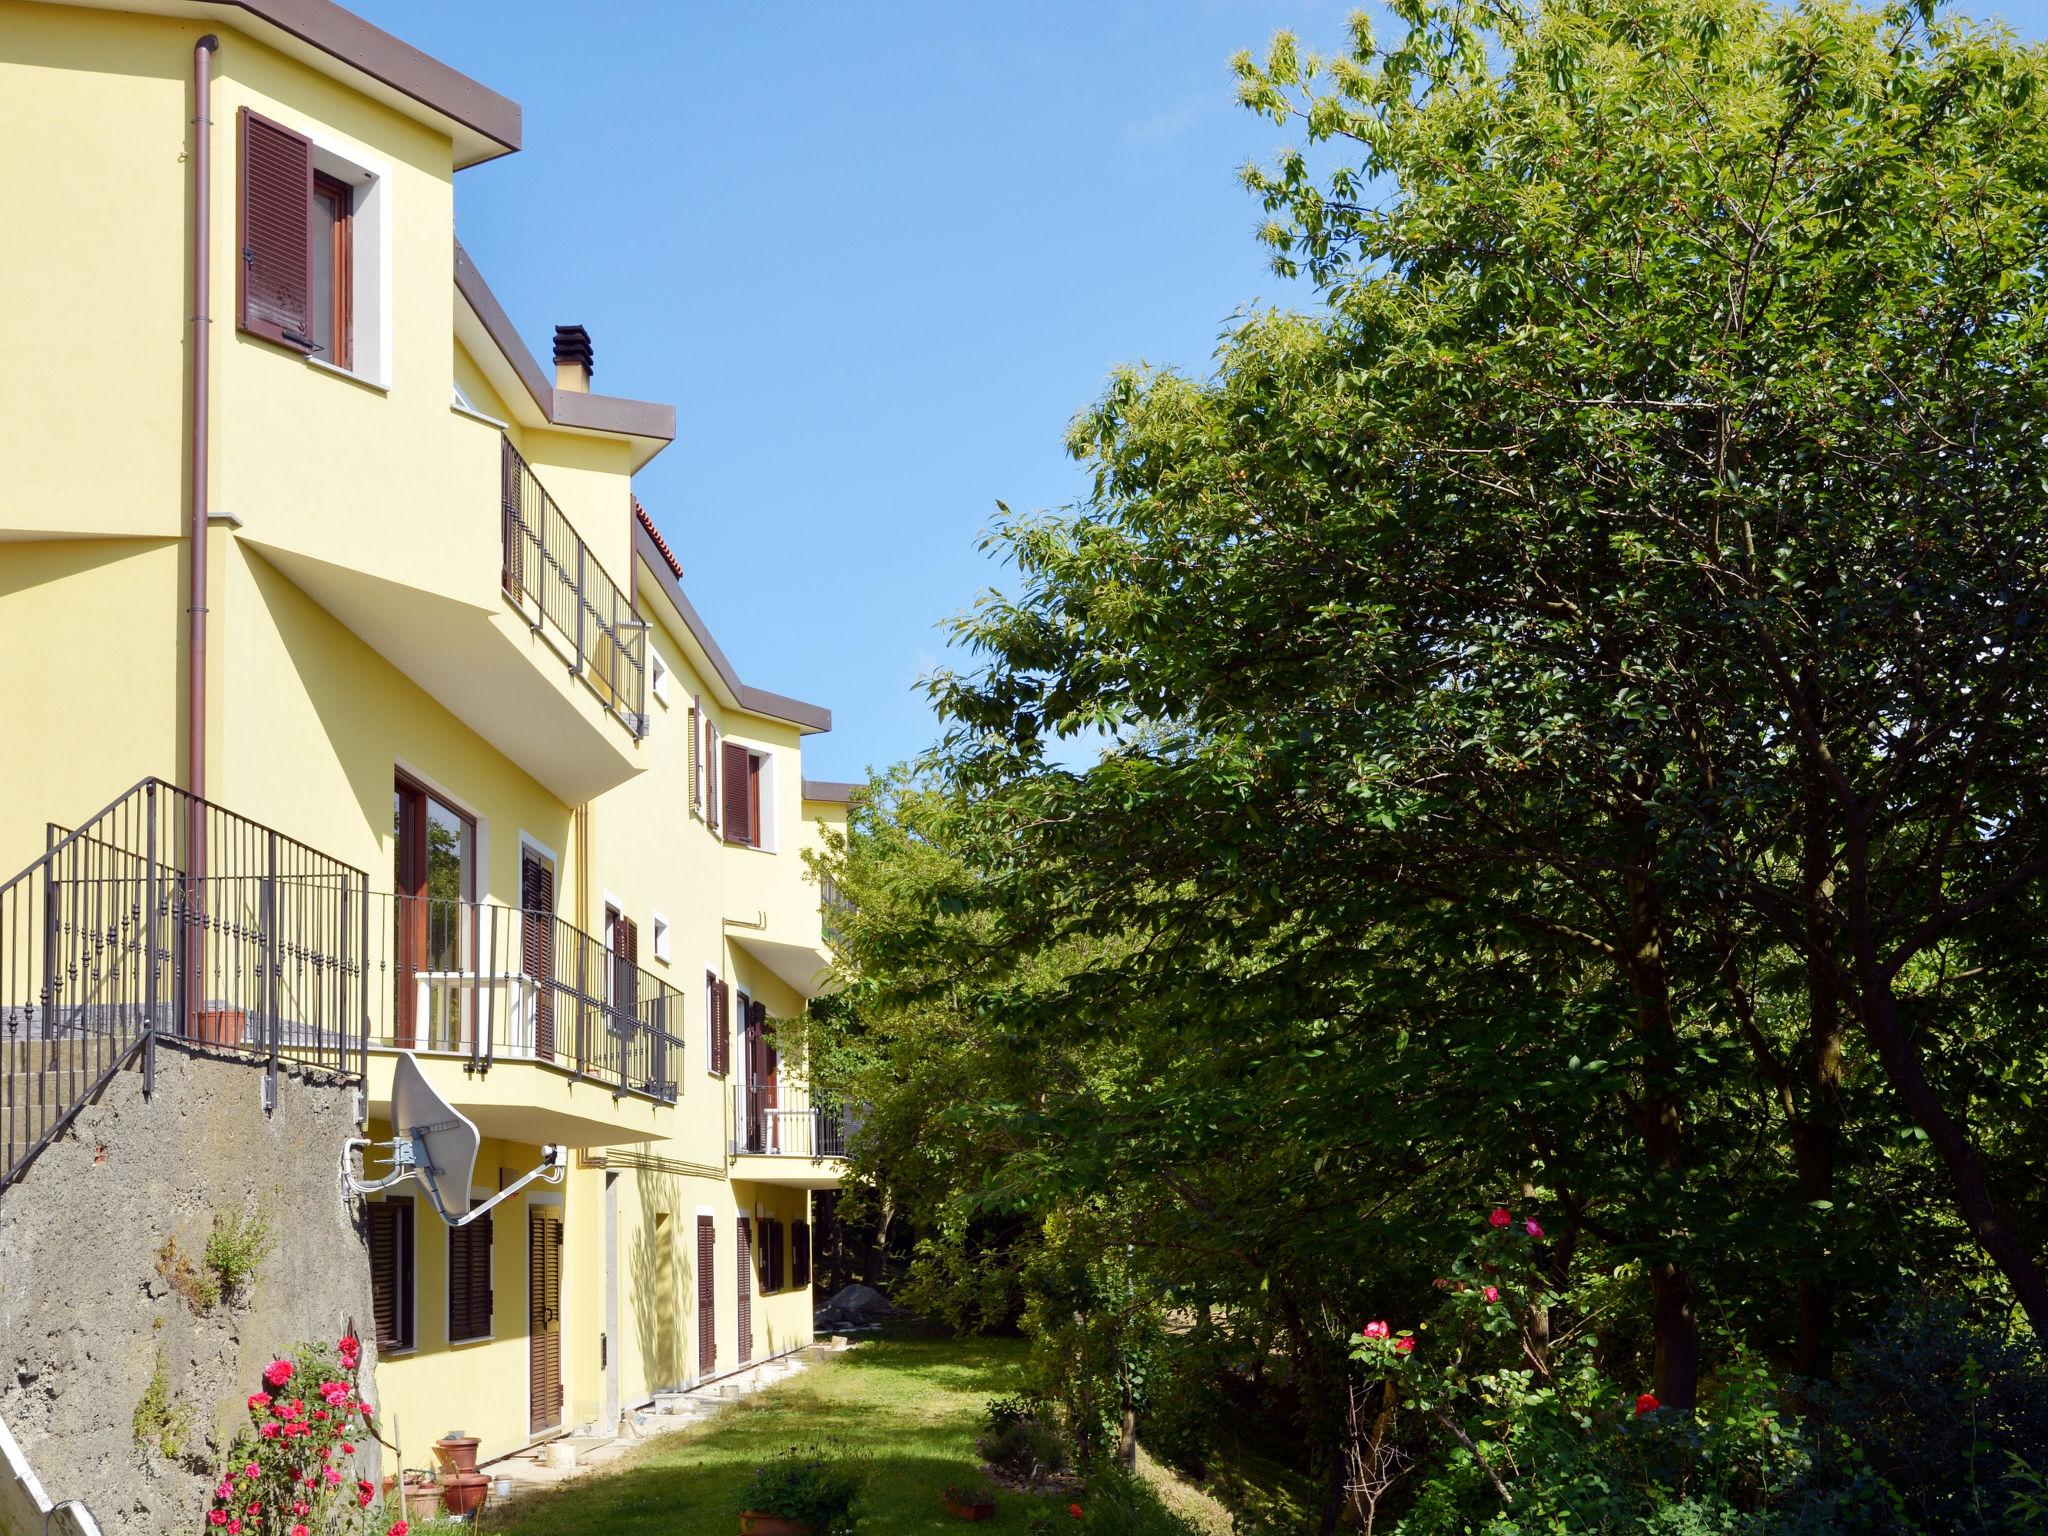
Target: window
[(333, 271), (391, 1272), (313, 235), (469, 1280), (769, 1249), (658, 673), (800, 1253), (745, 795), (434, 873), (660, 938)]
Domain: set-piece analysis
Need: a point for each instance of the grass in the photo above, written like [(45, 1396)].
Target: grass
[(910, 1405)]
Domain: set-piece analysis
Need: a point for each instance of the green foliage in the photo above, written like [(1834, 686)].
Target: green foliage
[(160, 1420), (817, 1485), (1575, 729), (200, 1289), (236, 1249), (1022, 1440)]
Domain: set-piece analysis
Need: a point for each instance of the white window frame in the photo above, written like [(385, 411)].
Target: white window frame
[(658, 937), (370, 222)]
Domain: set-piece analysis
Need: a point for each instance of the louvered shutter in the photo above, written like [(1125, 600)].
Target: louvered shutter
[(746, 1277), (276, 287), (711, 807), (800, 1253), (707, 1296), (537, 949), (696, 758), (626, 977), (469, 1280), (391, 1272), (721, 1030), (733, 768)]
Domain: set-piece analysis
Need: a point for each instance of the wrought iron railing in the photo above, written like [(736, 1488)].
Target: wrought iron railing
[(492, 983), (166, 917), (777, 1119), (551, 573)]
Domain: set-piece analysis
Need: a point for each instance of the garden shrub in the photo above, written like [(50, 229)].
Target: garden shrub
[(817, 1485), (1022, 1440)]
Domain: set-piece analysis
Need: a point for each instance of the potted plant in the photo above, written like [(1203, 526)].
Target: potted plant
[(977, 1502), (422, 1495), (218, 1025), (806, 1491)]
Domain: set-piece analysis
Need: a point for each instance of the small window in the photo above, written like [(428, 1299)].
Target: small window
[(661, 938), (333, 271), (469, 1280), (658, 673), (391, 1272)]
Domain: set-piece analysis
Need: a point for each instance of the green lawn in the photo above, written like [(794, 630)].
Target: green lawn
[(910, 1404)]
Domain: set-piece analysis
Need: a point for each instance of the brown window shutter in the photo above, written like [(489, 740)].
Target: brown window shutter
[(711, 785), (276, 212), (735, 771), (391, 1271), (707, 1296), (745, 1235), (469, 1280), (721, 1030)]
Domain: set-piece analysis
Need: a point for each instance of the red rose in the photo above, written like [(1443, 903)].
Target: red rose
[(1375, 1330), (1074, 1510), (397, 1528), (364, 1493), (1405, 1344), (278, 1372), (1647, 1403), (216, 1517), (258, 1401), (1500, 1216), (1492, 1294), (298, 1530)]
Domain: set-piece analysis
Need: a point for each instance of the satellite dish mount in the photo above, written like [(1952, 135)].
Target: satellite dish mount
[(434, 1142)]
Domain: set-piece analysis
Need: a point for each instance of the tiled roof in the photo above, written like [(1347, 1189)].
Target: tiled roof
[(660, 543)]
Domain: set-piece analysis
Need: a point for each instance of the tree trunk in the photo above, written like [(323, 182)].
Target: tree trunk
[(1878, 1012), (1674, 1327)]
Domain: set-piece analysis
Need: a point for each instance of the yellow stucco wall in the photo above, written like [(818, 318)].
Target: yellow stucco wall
[(356, 551)]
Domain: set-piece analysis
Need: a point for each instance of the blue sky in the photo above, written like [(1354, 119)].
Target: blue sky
[(877, 255)]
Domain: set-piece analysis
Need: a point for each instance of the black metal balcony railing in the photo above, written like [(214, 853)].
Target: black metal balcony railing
[(494, 983), (778, 1120), (548, 565), (167, 917)]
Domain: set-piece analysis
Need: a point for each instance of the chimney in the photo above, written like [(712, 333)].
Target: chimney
[(574, 360)]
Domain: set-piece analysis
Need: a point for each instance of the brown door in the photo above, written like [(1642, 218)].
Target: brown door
[(746, 1277), (544, 1315), (707, 1296), (752, 1015), (433, 874), (537, 945)]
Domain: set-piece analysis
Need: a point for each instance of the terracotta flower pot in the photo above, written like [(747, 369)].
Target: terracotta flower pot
[(219, 1026), (457, 1452), (754, 1523), (463, 1493), (970, 1509), (422, 1501)]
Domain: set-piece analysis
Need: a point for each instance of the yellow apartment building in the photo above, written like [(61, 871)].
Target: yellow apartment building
[(296, 524)]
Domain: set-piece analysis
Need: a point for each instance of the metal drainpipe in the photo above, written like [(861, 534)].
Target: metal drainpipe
[(202, 321), (200, 407)]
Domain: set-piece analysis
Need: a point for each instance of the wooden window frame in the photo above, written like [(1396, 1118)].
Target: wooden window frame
[(342, 318)]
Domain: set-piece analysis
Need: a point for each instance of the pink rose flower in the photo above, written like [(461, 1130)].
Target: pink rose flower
[(258, 1401), (1375, 1330), (1492, 1294), (278, 1372), (270, 1430), (1532, 1229), (1500, 1216), (1405, 1344), (252, 1471), (396, 1528), (216, 1517), (235, 1528), (333, 1477), (299, 1530), (300, 1506)]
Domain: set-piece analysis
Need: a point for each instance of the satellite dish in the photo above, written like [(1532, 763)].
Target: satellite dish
[(434, 1142)]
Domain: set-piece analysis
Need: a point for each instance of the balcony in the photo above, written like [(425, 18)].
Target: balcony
[(554, 579), (470, 581), (533, 1028), (780, 1137)]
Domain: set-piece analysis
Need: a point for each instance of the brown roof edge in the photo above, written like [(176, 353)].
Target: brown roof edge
[(355, 42), (831, 791), (564, 408), (757, 701)]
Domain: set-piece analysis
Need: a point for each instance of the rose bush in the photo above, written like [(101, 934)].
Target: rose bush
[(297, 1469)]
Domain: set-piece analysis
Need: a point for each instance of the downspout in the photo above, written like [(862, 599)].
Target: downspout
[(202, 321), (200, 407)]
